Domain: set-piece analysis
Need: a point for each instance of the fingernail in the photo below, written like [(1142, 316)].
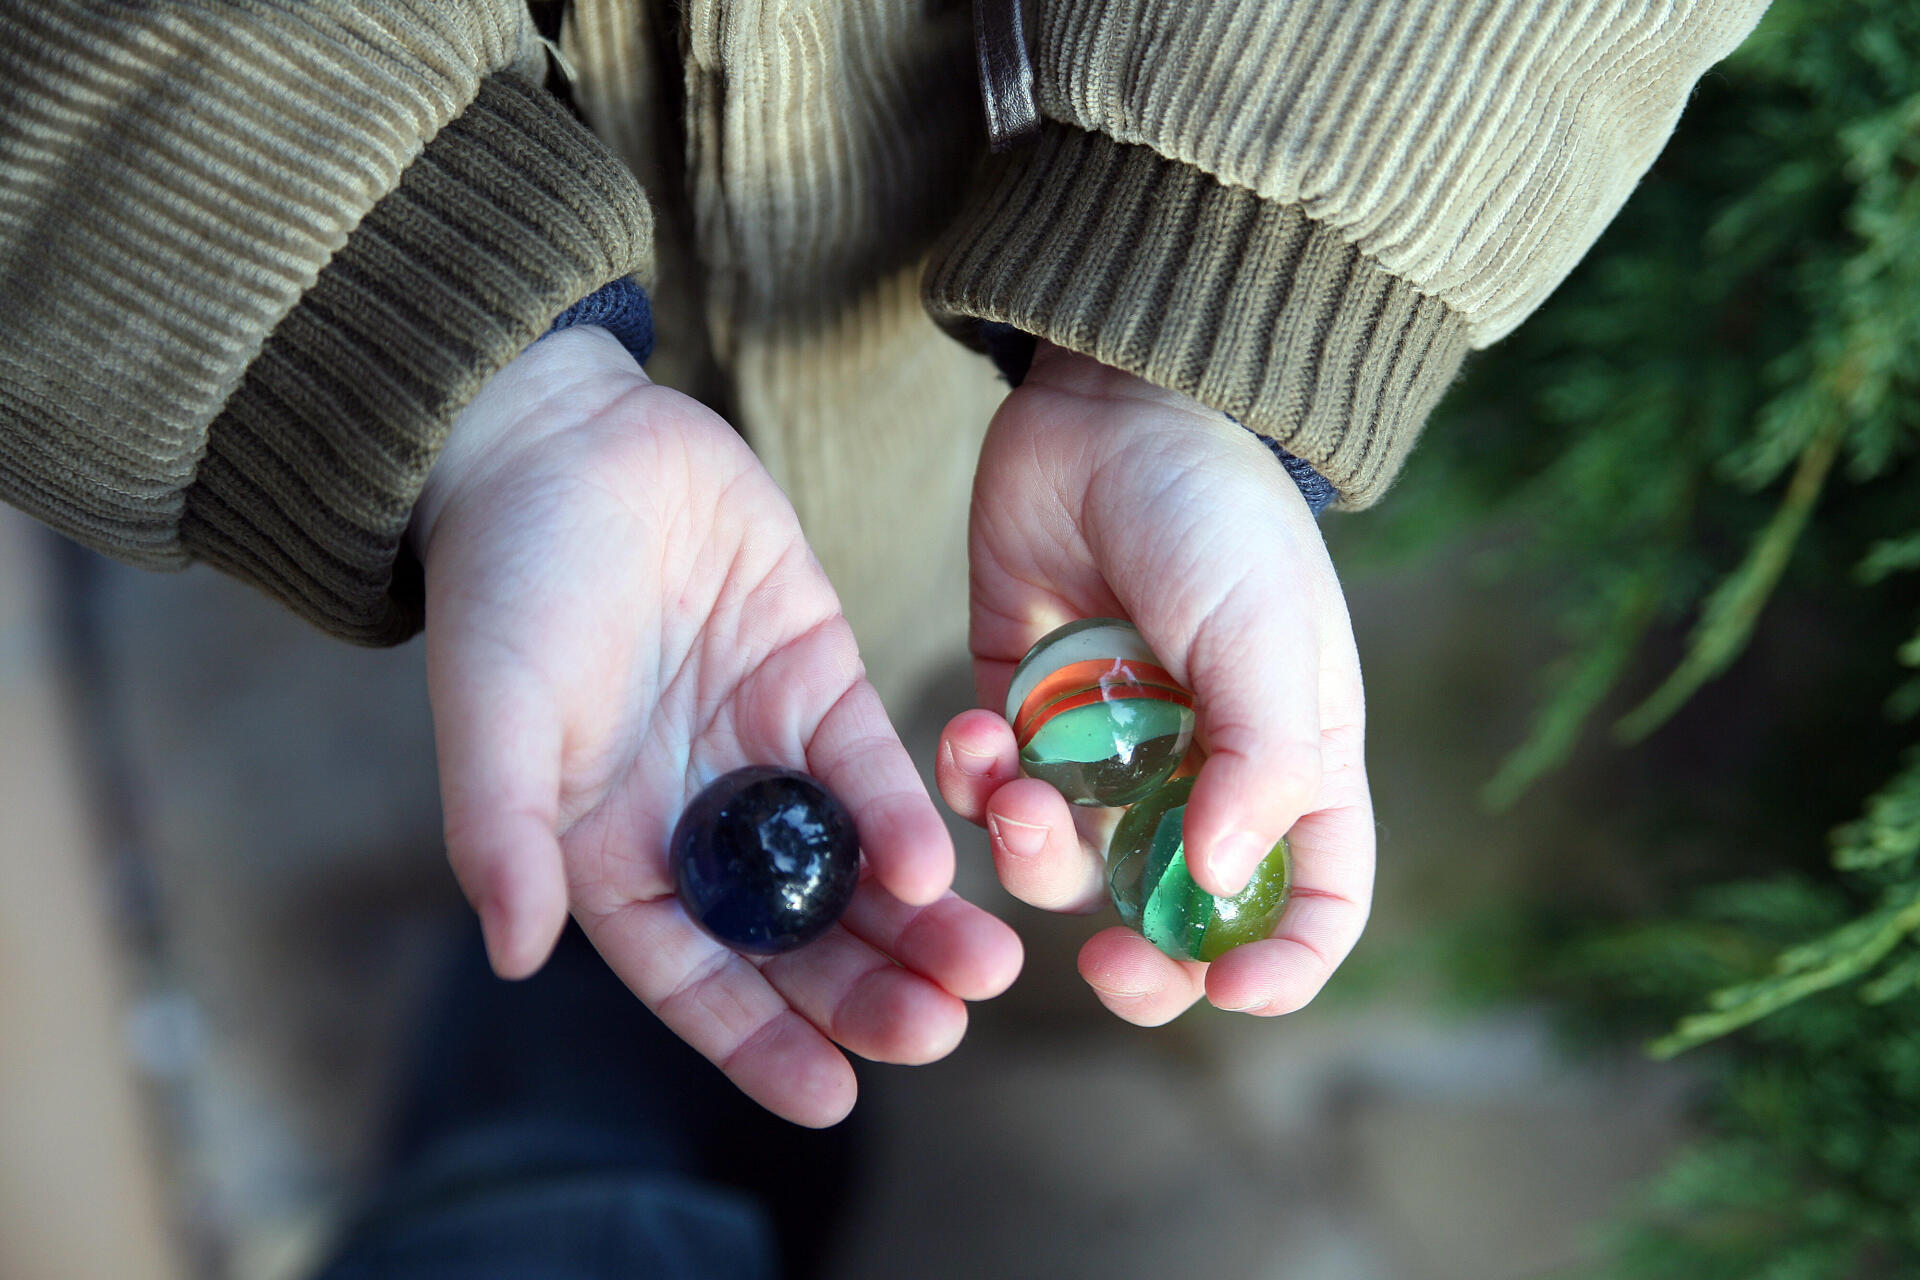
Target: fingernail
[(493, 930), (1022, 839), (1235, 857), (977, 764), (1254, 1007)]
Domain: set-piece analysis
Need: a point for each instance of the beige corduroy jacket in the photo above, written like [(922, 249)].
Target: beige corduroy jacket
[(257, 254)]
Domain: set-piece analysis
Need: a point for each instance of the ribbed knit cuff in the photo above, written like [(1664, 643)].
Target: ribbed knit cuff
[(1246, 305), (512, 213)]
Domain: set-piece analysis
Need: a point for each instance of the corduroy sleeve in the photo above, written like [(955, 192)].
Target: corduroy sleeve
[(256, 256), (1305, 213)]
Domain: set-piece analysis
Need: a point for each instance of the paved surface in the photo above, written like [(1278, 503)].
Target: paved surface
[(276, 793), (71, 1135)]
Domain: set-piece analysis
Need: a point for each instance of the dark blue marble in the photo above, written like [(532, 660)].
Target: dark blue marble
[(766, 859)]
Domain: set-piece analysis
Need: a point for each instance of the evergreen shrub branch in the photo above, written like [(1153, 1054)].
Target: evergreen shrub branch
[(1714, 422)]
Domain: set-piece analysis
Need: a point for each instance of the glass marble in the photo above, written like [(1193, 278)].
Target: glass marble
[(1147, 878), (1096, 715), (765, 859)]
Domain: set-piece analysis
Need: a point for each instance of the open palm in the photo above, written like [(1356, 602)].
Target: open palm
[(621, 607), (1099, 494)]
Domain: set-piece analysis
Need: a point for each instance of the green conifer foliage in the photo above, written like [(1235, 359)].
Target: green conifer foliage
[(1721, 406)]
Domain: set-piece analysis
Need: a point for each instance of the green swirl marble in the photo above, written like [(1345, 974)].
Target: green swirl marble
[(1148, 880)]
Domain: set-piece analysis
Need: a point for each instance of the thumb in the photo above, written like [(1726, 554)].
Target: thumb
[(499, 750), (1254, 666)]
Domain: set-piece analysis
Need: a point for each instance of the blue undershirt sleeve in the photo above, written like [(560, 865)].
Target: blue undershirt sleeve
[(621, 308)]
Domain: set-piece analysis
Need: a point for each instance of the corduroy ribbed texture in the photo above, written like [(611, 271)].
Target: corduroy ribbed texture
[(172, 176), (510, 214), (1246, 305), (1474, 148), (827, 144), (1329, 194)]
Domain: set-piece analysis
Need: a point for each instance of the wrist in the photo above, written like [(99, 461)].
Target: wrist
[(1062, 367), (1065, 369), (564, 379)]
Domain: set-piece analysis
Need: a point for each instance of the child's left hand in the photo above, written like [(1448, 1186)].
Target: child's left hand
[(1099, 494)]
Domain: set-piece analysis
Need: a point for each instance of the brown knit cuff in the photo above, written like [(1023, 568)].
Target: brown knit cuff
[(1246, 305), (511, 213)]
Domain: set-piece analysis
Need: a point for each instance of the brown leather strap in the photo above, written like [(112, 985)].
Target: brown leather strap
[(1006, 73)]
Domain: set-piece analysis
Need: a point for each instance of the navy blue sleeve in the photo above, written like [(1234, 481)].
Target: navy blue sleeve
[(621, 308)]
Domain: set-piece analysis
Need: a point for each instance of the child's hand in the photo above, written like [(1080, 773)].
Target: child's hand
[(1099, 495), (620, 608)]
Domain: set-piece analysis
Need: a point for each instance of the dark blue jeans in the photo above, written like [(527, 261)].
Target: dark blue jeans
[(587, 1226), (553, 1130)]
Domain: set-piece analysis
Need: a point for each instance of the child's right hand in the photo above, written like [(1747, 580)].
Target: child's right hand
[(620, 608)]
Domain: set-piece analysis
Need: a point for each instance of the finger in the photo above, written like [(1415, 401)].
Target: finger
[(866, 1003), (498, 744), (1037, 850), (725, 1008), (969, 952), (1255, 671), (1326, 913), (1136, 980), (510, 869), (977, 757), (856, 753)]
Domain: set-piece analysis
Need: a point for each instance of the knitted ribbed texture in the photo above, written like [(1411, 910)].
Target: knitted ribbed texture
[(1242, 303), (512, 213), (1475, 148), (1315, 488), (172, 176), (622, 308)]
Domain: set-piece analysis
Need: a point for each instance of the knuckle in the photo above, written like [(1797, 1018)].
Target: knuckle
[(699, 991), (1345, 737), (1294, 773)]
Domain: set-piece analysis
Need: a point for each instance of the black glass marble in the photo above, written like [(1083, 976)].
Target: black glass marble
[(766, 859)]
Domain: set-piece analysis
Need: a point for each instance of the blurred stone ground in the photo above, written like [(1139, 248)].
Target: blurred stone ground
[(271, 811), (80, 1188)]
